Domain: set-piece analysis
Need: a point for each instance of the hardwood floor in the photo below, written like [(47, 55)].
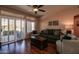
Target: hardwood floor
[(20, 47), (24, 47)]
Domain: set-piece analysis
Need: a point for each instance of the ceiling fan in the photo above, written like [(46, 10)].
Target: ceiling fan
[(36, 8)]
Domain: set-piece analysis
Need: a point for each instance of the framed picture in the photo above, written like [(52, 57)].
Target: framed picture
[(55, 23), (50, 23)]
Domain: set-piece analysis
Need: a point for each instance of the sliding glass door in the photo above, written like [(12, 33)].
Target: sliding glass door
[(12, 29), (23, 29), (18, 29), (4, 30)]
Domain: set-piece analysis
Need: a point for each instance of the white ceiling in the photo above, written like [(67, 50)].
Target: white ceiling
[(26, 9), (49, 8)]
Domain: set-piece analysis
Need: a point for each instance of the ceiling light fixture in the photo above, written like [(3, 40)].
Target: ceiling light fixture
[(35, 9)]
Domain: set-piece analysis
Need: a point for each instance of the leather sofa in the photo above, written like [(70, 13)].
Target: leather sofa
[(52, 35)]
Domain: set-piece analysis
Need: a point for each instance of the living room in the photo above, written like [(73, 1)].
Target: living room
[(67, 21), (38, 27), (60, 18)]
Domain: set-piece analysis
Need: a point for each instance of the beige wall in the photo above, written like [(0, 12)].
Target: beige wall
[(65, 17)]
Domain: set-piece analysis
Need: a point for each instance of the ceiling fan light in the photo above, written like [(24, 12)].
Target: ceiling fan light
[(35, 9)]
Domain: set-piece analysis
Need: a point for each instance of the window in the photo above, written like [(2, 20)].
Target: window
[(30, 26)]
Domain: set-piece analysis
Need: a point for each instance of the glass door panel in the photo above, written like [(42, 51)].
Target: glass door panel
[(18, 29), (4, 30), (23, 29), (11, 29)]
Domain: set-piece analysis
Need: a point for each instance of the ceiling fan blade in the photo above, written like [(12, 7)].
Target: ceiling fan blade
[(42, 10), (35, 6), (40, 6)]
